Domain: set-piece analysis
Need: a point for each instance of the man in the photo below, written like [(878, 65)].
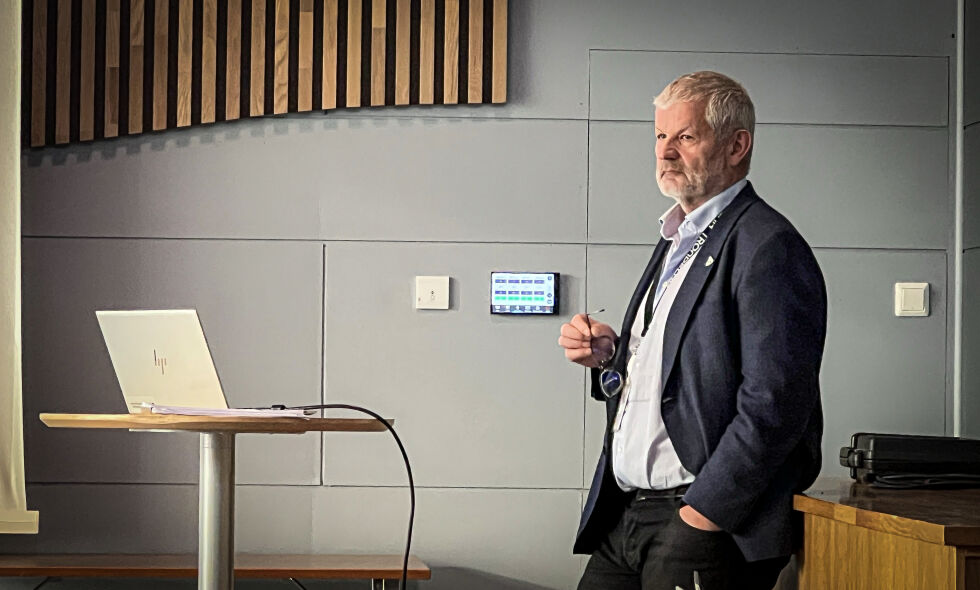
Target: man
[(711, 387)]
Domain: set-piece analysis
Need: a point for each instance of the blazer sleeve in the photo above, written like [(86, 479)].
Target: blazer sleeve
[(781, 302)]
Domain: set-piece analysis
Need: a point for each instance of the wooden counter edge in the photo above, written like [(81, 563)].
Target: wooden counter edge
[(929, 532), (252, 566), (285, 425)]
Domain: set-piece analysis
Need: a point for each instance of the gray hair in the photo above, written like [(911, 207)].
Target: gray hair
[(727, 109)]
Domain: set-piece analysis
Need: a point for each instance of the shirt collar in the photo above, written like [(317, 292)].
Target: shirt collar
[(698, 220)]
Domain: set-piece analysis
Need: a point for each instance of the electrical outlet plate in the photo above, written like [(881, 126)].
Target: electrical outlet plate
[(431, 292), (911, 299)]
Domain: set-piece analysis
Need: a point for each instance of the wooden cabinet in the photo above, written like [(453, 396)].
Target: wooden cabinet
[(863, 538)]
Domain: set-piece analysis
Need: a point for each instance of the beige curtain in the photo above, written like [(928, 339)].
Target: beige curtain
[(14, 516)]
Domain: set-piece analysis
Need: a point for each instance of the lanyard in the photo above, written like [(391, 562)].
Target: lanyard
[(651, 294)]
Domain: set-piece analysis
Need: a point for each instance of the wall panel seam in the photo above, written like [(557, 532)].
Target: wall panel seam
[(896, 249), (938, 56)]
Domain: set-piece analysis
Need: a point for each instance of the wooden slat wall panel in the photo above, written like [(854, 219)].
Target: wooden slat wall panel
[(63, 76), (330, 24), (184, 44), (451, 54), (305, 92), (403, 51), (499, 51), (354, 53), (104, 68), (137, 41), (86, 112), (209, 63), (281, 83), (39, 59), (112, 34), (475, 53), (233, 68), (427, 53), (378, 52), (257, 82), (161, 25)]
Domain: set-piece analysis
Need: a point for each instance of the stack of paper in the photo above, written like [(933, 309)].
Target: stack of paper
[(239, 412)]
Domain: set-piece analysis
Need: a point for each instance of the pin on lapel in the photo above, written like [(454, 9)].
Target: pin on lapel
[(709, 261)]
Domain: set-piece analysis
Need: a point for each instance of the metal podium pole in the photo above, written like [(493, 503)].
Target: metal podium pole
[(216, 512)]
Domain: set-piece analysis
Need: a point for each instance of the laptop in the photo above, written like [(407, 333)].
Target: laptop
[(161, 357)]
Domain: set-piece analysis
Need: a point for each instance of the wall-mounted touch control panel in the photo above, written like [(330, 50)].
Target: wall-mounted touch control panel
[(524, 293)]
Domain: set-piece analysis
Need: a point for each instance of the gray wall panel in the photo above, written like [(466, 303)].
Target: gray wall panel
[(242, 180), (111, 518), (841, 186), (141, 518), (971, 187), (881, 373), (549, 41), (347, 179), (971, 344), (823, 89), (454, 180), (479, 400), (498, 539), (259, 303), (860, 376)]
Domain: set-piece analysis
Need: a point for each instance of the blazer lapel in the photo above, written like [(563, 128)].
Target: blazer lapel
[(701, 269)]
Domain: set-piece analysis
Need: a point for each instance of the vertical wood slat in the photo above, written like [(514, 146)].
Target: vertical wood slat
[(403, 51), (499, 51), (185, 30), (329, 100), (354, 53), (233, 64), (427, 53), (86, 98), (39, 61), (451, 54), (378, 26), (257, 83), (304, 94), (112, 38), (63, 77), (280, 87), (209, 64), (475, 54), (137, 40), (161, 24)]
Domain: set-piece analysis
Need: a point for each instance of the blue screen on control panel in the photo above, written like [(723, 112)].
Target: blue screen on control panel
[(524, 292)]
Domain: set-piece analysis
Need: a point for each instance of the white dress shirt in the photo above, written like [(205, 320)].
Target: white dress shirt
[(643, 456)]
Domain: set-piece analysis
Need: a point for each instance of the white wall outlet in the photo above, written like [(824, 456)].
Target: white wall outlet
[(431, 292), (911, 299)]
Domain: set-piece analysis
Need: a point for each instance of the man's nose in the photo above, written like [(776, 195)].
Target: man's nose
[(664, 150)]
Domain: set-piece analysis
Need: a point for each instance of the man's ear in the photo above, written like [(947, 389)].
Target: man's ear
[(739, 147)]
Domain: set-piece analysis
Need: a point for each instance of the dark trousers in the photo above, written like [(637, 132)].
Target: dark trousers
[(651, 548)]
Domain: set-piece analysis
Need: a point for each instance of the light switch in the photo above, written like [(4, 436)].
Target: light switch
[(431, 292), (912, 299)]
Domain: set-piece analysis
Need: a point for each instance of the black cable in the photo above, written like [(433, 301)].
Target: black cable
[(408, 468)]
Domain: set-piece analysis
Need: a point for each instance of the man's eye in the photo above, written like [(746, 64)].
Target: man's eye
[(661, 135), (687, 137)]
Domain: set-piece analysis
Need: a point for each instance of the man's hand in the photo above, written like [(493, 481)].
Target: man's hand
[(576, 338), (695, 519)]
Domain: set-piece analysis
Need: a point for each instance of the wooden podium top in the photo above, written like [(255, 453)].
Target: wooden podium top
[(944, 517), (285, 425)]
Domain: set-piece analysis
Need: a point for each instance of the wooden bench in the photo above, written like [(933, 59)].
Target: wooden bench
[(376, 568)]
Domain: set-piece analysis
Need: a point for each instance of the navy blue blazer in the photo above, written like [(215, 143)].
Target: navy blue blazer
[(741, 400)]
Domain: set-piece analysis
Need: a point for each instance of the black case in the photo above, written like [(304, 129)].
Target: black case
[(906, 460)]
